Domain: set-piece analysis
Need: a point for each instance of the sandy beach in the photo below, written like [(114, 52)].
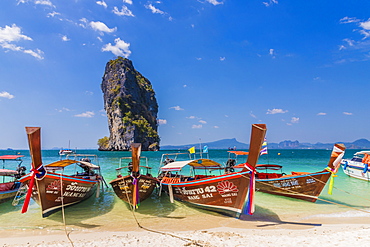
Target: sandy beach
[(325, 235), (213, 230)]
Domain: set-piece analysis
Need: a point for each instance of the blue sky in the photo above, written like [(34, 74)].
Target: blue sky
[(301, 67)]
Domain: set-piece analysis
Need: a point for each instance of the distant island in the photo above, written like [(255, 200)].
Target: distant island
[(233, 143)]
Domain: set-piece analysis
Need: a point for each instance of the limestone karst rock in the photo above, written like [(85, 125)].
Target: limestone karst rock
[(131, 107)]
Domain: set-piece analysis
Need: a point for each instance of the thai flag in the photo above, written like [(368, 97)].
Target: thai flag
[(264, 147)]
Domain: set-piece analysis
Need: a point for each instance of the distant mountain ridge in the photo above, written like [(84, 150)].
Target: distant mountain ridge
[(231, 143)]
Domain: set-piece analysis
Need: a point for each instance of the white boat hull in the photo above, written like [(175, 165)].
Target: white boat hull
[(355, 169)]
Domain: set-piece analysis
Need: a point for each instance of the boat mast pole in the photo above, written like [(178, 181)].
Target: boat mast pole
[(200, 148)]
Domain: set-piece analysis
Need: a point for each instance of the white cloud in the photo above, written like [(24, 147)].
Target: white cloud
[(198, 58), (127, 1), (365, 25), (294, 120), (154, 9), (199, 126), (121, 48), (44, 2), (222, 58), (37, 53), (275, 111), (366, 34), (11, 34), (191, 117), (84, 22), (38, 2), (176, 108), (348, 113), (14, 34), (271, 2), (342, 47), (321, 114), (202, 122), (102, 3), (350, 42), (252, 115), (6, 95), (162, 121), (347, 19), (65, 38), (216, 127), (63, 109), (124, 11), (272, 53), (87, 114), (52, 14), (214, 2), (101, 27)]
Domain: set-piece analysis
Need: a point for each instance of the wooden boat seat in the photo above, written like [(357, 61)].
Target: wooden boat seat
[(168, 180), (6, 186)]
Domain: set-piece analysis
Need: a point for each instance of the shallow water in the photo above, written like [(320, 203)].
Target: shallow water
[(107, 212)]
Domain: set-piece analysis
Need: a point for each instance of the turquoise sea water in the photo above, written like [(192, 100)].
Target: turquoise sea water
[(108, 212)]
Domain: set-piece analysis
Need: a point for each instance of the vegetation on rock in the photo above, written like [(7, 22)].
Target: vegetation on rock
[(131, 106)]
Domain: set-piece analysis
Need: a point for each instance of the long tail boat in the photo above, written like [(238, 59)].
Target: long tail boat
[(48, 185), (9, 183), (136, 186), (229, 193), (300, 185)]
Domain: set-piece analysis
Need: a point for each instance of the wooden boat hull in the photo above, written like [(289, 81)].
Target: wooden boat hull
[(124, 187), (224, 194), (356, 170), (47, 192), (305, 186), (8, 191)]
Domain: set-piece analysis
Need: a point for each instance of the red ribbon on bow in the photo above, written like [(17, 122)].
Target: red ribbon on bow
[(29, 192), (252, 184)]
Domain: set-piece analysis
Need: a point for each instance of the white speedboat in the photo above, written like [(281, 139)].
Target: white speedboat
[(358, 165)]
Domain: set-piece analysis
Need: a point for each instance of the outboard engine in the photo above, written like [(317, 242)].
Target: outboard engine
[(86, 160), (230, 166), (21, 172), (167, 161)]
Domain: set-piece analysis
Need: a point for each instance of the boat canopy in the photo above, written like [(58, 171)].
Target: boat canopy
[(239, 152), (362, 152), (7, 172), (196, 164), (10, 157), (67, 162)]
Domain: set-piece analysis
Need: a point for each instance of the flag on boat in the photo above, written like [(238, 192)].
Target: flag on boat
[(264, 147), (191, 150), (205, 149)]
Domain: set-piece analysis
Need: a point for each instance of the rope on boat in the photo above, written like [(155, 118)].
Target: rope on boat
[(155, 231), (63, 215)]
